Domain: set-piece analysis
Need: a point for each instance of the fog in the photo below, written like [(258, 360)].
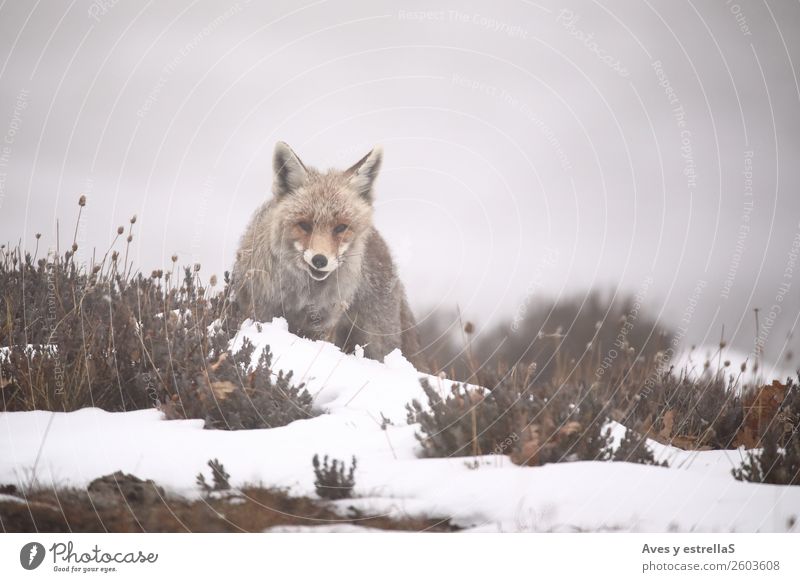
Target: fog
[(530, 149)]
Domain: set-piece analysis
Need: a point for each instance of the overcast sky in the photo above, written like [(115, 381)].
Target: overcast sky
[(530, 147)]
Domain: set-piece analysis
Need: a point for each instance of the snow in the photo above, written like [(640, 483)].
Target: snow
[(488, 493), (341, 383), (32, 349)]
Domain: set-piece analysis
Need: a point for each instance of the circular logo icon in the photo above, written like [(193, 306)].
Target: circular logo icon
[(31, 555)]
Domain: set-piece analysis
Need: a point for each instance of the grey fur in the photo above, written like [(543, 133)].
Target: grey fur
[(362, 301)]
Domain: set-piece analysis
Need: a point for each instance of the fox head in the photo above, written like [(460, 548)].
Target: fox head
[(321, 218)]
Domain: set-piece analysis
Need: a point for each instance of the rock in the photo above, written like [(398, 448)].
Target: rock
[(122, 488)]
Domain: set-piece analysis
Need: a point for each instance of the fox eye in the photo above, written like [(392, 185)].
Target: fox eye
[(306, 226), (340, 229)]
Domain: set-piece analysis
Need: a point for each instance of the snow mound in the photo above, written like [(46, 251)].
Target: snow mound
[(341, 383)]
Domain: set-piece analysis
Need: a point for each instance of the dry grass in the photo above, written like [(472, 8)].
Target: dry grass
[(254, 510)]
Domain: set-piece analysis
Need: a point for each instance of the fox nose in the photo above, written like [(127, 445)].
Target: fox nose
[(319, 261)]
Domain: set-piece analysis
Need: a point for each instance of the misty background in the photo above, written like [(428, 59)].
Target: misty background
[(533, 150)]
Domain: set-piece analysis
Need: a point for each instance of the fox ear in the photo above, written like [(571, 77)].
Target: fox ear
[(289, 171), (363, 173)]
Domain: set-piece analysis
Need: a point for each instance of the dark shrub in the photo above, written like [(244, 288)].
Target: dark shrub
[(332, 480)]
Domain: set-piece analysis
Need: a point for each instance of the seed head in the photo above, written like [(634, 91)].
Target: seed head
[(82, 201), (133, 219), (174, 258), (120, 230)]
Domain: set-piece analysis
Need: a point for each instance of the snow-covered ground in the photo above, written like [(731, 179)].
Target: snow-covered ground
[(697, 492)]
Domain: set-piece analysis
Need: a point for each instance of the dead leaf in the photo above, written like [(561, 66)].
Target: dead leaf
[(221, 360), (667, 423), (528, 451), (760, 409), (222, 388), (571, 428)]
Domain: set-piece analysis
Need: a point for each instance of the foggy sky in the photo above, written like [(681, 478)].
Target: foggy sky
[(531, 148)]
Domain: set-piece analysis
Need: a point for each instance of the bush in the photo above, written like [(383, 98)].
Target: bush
[(772, 464), (219, 477), (571, 427), (534, 426), (101, 335), (469, 420), (333, 481), (617, 367), (633, 449), (229, 395)]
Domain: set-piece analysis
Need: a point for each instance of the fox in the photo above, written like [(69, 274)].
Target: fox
[(312, 255)]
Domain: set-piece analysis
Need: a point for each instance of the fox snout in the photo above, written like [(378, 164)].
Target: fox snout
[(320, 253), (321, 263)]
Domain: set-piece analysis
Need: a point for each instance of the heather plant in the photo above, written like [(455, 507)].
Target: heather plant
[(220, 479), (633, 449), (228, 394), (677, 408), (705, 407), (332, 479), (532, 423), (772, 463), (471, 420), (776, 459), (581, 431), (100, 334), (563, 414)]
